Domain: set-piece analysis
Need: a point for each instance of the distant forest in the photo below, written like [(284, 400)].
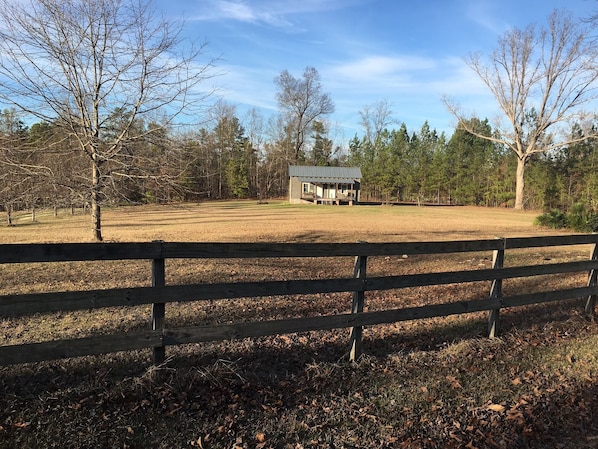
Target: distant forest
[(43, 168)]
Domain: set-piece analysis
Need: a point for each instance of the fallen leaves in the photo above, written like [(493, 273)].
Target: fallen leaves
[(516, 416), (198, 443), (261, 440), (422, 392), (455, 384), (496, 407), (21, 424)]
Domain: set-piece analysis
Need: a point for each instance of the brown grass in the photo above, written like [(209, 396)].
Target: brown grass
[(276, 221), (427, 384)]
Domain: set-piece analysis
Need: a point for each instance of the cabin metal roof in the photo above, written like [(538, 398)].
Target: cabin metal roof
[(325, 174)]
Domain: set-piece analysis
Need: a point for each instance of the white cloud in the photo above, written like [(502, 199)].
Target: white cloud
[(249, 87), (458, 79), (377, 73), (412, 75), (275, 13), (484, 14), (413, 84), (236, 11)]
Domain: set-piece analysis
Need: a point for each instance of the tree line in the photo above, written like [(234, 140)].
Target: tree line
[(424, 166), (231, 161)]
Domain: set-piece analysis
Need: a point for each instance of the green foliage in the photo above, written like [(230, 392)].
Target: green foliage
[(578, 219), (582, 220), (424, 166), (224, 161), (469, 170), (321, 152), (236, 175), (554, 219)]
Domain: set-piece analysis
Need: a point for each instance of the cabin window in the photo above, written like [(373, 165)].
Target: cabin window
[(307, 187)]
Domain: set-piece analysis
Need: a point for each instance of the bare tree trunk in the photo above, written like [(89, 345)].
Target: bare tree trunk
[(9, 215), (519, 183), (96, 219)]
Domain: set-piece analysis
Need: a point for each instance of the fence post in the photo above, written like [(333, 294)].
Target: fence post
[(359, 272), (498, 260), (158, 309), (592, 281)]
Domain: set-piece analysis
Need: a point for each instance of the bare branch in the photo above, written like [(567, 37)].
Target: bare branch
[(74, 63), (541, 78)]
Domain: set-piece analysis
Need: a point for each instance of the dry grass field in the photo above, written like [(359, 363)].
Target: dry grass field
[(435, 383), (275, 221)]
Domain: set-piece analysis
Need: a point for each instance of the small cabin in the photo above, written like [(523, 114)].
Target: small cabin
[(324, 185)]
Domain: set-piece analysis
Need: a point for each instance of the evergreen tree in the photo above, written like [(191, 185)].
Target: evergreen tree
[(321, 152), (469, 163)]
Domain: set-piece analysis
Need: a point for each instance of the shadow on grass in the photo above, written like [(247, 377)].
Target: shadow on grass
[(297, 391), (287, 354)]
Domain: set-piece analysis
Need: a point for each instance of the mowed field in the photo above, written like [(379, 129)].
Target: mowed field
[(277, 221), (433, 383)]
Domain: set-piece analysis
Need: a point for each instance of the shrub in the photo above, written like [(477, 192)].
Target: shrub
[(578, 219), (593, 222), (554, 219)]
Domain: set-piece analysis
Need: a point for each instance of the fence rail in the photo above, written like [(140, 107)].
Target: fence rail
[(160, 294)]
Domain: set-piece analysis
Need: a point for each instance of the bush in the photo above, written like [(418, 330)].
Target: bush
[(554, 219), (578, 219), (593, 223)]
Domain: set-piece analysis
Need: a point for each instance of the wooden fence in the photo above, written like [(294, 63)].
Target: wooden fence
[(159, 294)]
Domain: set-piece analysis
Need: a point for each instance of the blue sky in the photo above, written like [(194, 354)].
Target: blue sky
[(408, 53)]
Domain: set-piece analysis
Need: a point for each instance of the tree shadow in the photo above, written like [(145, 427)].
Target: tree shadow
[(299, 388)]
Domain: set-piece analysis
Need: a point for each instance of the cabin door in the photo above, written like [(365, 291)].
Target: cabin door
[(319, 191)]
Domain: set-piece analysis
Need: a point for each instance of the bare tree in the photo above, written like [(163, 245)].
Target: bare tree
[(302, 102), (75, 62), (18, 166), (375, 118), (541, 79)]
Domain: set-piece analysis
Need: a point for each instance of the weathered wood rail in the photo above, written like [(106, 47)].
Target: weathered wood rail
[(159, 294)]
